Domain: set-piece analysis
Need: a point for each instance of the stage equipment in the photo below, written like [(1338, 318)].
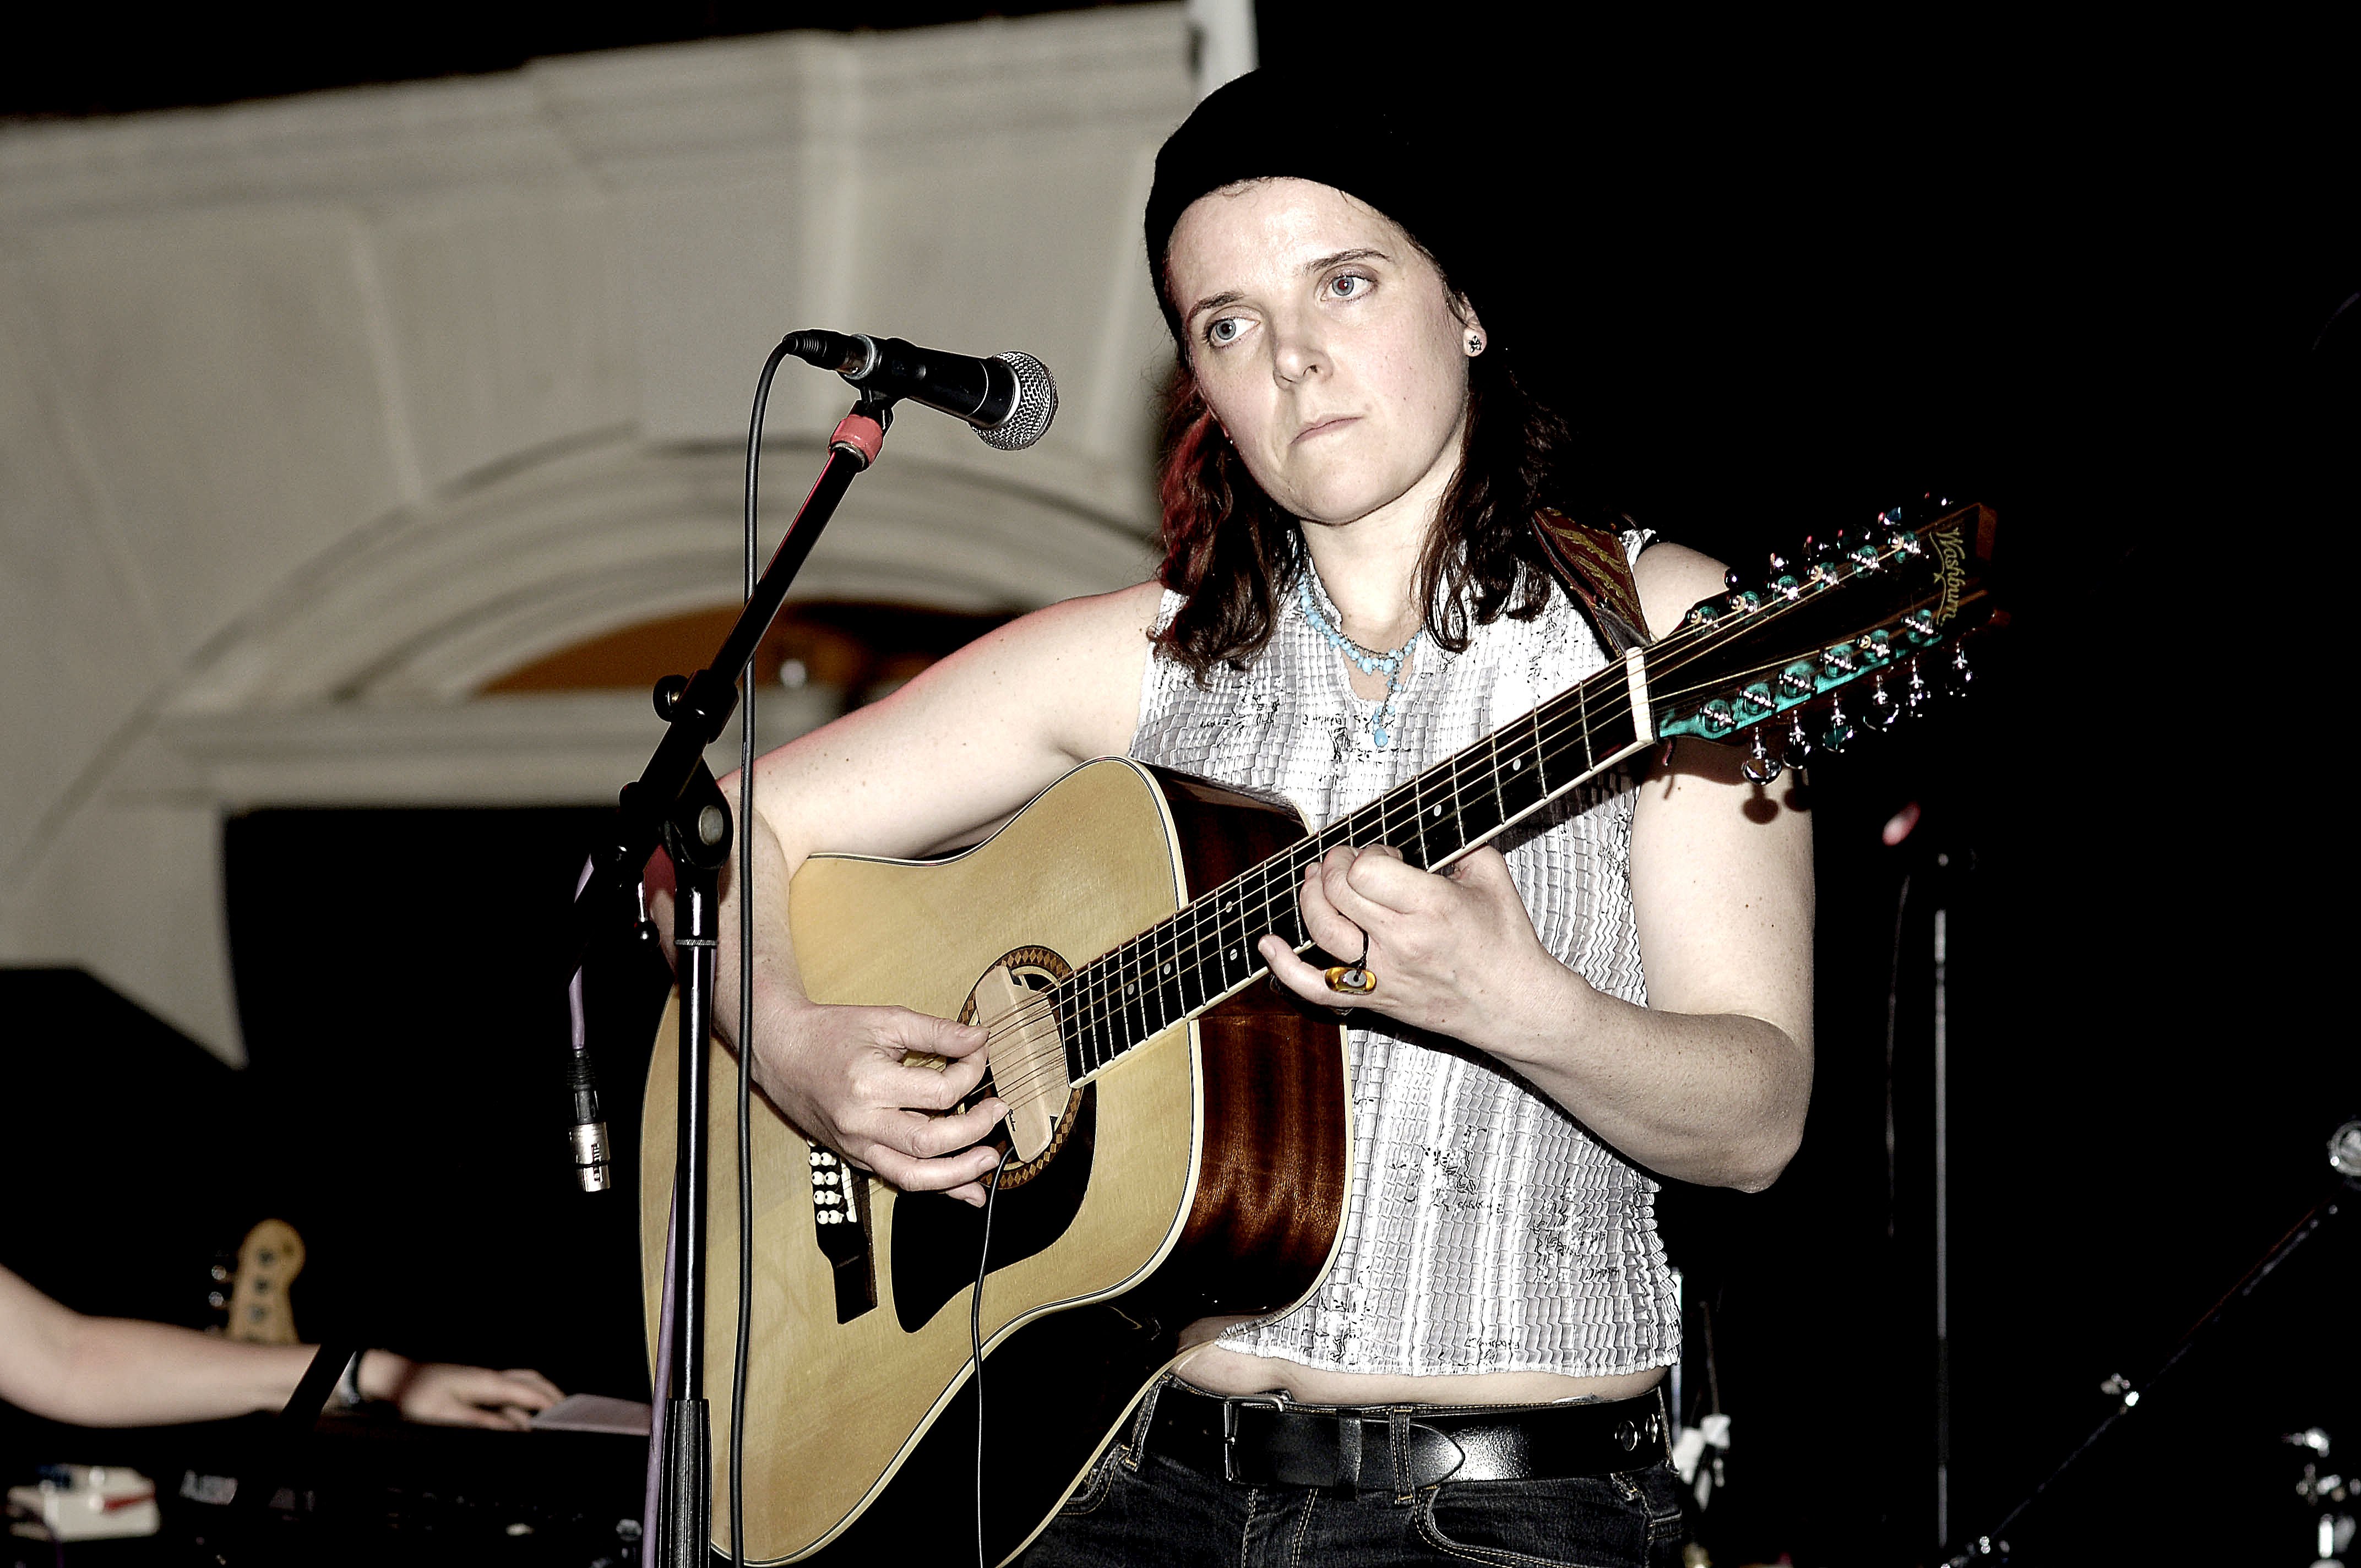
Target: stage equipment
[(2325, 1493), (2344, 1159), (676, 804), (83, 1502), (1178, 1140), (367, 1489)]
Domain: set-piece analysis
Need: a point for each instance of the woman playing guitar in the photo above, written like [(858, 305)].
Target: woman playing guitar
[(1352, 588)]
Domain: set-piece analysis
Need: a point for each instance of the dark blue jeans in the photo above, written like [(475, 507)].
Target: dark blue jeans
[(1150, 1510)]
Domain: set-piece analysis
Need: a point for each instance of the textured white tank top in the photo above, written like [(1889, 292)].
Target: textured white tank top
[(1488, 1231)]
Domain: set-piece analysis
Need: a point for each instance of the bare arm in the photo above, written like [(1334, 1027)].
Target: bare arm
[(935, 765), (114, 1372), (1707, 1083)]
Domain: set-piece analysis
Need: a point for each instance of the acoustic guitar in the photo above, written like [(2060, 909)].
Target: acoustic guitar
[(1180, 1135)]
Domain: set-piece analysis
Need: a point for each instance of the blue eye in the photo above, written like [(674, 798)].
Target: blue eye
[(1349, 286), (1224, 330)]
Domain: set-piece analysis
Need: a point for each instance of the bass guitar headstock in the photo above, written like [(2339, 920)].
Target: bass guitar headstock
[(1883, 608), (248, 1294)]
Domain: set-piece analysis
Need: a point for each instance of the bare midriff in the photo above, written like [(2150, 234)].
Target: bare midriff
[(1217, 1370)]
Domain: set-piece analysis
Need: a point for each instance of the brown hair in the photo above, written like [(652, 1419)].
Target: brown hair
[(1231, 551)]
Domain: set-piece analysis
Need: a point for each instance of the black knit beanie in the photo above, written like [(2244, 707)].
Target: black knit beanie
[(1267, 123)]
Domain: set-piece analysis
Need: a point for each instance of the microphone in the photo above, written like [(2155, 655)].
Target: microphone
[(1009, 399), (594, 1167)]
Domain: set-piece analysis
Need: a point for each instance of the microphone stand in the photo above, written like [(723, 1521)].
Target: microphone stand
[(677, 805)]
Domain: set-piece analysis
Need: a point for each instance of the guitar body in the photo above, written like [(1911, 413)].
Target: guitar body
[(1205, 1172)]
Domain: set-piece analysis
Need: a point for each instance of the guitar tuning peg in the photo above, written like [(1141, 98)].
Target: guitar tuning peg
[(1760, 766), (1778, 563), (1915, 697), (1732, 580), (1884, 711), (1799, 745), (1961, 673), (1840, 729)]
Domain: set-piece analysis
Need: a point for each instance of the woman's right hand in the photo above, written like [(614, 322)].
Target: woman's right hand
[(840, 1075)]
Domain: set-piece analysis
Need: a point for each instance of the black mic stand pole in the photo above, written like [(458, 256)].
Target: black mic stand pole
[(684, 1521), (677, 802)]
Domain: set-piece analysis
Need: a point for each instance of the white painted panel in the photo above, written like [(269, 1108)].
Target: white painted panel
[(508, 325), (981, 253), (571, 750), (76, 653), (133, 892), (358, 143), (221, 364), (717, 277)]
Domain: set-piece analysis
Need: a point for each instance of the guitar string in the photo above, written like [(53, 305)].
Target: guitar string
[(1149, 983), (1145, 983), (1275, 890), (1093, 1021)]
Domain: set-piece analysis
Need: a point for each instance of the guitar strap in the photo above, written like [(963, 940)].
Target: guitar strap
[(1592, 565)]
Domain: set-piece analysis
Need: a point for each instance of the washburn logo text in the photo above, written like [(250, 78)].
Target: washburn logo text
[(1953, 551)]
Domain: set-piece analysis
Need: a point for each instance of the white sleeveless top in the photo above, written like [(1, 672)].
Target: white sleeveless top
[(1488, 1231)]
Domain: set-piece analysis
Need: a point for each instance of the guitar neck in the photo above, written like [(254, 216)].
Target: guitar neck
[(1206, 951), (1856, 613)]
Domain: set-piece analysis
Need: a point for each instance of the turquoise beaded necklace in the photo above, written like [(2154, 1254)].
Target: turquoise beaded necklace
[(1368, 660)]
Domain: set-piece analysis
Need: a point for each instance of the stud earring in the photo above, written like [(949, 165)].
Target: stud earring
[(1475, 343)]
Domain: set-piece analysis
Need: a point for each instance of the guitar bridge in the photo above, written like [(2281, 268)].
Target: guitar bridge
[(840, 1224)]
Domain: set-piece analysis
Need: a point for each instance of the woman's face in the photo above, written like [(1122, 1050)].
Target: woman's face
[(1324, 343)]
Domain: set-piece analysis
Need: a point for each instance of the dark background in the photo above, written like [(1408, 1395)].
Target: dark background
[(2092, 289)]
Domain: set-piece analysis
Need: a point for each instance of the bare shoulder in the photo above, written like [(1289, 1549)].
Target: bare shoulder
[(1672, 578), (1100, 623), (1085, 656), (970, 739)]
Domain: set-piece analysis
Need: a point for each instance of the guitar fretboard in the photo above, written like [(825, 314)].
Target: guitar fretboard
[(1205, 950)]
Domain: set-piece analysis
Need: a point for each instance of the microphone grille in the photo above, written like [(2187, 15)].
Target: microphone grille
[(1036, 405)]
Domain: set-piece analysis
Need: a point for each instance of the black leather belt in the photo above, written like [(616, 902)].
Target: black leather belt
[(1267, 1442)]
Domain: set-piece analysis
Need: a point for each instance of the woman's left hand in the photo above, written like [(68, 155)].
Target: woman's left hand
[(1455, 954)]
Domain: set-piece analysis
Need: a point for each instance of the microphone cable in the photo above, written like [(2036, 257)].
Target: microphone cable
[(975, 1341), (746, 990)]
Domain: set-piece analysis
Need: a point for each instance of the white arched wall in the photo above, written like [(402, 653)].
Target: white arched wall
[(317, 414)]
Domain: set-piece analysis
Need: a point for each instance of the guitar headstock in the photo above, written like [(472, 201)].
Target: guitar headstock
[(1887, 605), (254, 1305)]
